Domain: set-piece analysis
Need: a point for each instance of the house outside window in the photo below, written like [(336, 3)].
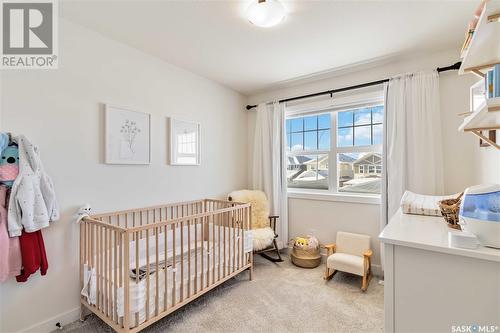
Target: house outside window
[(338, 150)]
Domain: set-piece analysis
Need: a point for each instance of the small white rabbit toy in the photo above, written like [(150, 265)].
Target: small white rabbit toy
[(82, 212)]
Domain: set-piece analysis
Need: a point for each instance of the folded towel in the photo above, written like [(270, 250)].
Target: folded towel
[(419, 204)]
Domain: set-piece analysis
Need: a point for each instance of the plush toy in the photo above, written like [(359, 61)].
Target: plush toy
[(9, 165), (301, 242), (308, 242), (82, 212), (4, 141)]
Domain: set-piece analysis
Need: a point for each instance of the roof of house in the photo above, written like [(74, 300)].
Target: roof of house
[(372, 158), (298, 159), (346, 158)]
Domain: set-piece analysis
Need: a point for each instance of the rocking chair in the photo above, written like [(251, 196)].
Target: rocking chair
[(263, 224)]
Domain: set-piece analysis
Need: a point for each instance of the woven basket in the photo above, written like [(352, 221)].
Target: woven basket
[(450, 209), (306, 258)]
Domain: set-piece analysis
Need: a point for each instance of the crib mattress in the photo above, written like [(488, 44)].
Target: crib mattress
[(195, 271)]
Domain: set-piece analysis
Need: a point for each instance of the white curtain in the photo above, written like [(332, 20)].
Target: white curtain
[(268, 172), (412, 139)]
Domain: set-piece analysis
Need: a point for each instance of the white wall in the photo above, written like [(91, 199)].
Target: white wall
[(60, 111), (465, 163)]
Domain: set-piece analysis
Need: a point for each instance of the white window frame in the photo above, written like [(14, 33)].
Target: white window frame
[(333, 107)]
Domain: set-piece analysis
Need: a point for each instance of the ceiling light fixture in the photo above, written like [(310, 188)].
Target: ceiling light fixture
[(265, 13)]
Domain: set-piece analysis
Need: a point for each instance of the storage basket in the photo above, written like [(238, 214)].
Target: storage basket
[(450, 209), (306, 256)]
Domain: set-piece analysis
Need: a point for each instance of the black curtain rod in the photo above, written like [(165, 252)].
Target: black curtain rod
[(455, 66)]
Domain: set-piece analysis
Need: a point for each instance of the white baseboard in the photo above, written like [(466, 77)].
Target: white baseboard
[(377, 271), (49, 325)]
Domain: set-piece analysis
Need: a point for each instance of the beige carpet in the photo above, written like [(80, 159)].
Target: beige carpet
[(281, 298)]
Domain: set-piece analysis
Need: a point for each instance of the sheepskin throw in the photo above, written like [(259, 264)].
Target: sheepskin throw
[(262, 238), (260, 206)]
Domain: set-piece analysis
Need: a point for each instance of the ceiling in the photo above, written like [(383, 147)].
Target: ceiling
[(214, 40)]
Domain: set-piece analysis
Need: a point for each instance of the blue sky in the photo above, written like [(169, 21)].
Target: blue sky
[(319, 135)]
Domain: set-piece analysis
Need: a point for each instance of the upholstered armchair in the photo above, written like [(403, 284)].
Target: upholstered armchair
[(352, 254)]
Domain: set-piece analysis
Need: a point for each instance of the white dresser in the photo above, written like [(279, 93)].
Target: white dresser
[(431, 287)]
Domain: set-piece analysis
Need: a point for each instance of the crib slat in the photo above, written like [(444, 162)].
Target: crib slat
[(147, 274), (225, 228), (195, 255), (174, 272), (101, 267), (165, 297), (219, 245), (207, 225), (125, 272), (234, 241), (135, 235), (120, 265), (230, 250), (189, 256), (110, 273), (240, 223), (182, 259), (115, 261), (107, 271), (82, 256), (242, 237), (213, 248), (98, 268), (157, 273), (237, 242), (106, 278), (202, 256), (140, 222)]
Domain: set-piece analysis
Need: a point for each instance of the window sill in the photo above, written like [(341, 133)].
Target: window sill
[(371, 199)]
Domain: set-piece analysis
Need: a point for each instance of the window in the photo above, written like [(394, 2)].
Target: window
[(308, 133), (336, 151), (186, 147)]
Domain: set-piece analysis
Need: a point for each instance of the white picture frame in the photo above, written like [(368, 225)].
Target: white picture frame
[(477, 95), (185, 142), (127, 136)]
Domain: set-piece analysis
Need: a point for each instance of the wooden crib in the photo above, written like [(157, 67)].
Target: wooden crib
[(139, 265)]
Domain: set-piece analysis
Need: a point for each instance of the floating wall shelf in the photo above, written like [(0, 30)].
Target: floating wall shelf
[(487, 117), (484, 49), (482, 54)]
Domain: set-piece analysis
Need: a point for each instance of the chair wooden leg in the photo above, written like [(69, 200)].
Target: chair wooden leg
[(265, 255), (329, 273), (250, 270), (366, 278), (82, 313)]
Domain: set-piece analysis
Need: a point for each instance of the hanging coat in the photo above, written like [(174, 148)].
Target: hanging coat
[(10, 252), (33, 255), (33, 201)]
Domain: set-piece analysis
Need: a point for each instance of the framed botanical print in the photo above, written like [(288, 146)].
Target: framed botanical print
[(127, 136)]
